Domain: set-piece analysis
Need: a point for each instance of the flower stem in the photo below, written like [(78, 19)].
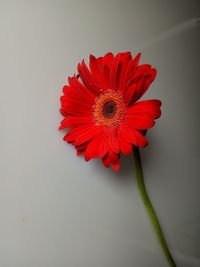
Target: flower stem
[(149, 207)]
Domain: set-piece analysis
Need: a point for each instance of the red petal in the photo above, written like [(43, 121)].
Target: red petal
[(106, 161), (110, 158), (125, 60), (103, 145), (87, 78), (139, 123), (125, 148), (81, 148), (116, 164), (113, 156), (74, 121), (113, 141), (132, 136), (77, 99), (95, 149), (107, 63), (82, 134), (80, 89), (129, 93), (144, 81), (142, 114), (97, 71), (148, 108), (136, 61), (130, 70), (108, 59), (74, 106), (87, 134), (114, 72), (140, 140)]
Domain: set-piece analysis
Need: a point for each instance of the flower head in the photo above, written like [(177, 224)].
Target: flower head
[(100, 107)]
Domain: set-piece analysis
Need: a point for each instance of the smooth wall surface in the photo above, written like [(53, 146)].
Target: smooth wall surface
[(57, 210)]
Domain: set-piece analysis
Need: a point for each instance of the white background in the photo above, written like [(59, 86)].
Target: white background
[(58, 210)]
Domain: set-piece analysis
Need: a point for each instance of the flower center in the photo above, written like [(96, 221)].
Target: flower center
[(109, 109)]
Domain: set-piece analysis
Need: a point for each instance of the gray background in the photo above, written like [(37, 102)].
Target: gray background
[(57, 210)]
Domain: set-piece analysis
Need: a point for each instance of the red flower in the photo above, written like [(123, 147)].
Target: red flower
[(102, 109)]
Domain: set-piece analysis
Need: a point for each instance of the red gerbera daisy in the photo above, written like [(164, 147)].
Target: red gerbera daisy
[(100, 106)]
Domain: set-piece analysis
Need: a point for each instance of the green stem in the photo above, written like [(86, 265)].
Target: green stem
[(149, 207)]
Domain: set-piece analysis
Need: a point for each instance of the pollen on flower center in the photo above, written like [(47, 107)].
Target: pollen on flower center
[(109, 109)]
